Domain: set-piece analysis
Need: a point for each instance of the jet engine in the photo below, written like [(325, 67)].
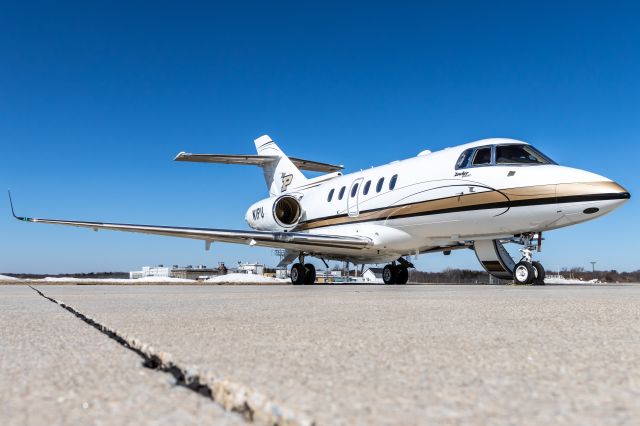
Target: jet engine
[(275, 214)]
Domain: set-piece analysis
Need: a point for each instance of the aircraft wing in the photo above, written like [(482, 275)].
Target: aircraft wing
[(290, 240), (256, 160)]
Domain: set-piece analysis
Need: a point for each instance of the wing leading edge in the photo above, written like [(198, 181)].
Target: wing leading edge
[(290, 240)]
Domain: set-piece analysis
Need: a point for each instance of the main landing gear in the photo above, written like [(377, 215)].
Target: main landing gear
[(302, 273), (396, 274), (528, 271)]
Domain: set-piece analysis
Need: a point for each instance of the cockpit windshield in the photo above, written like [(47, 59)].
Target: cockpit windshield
[(520, 154), (506, 154)]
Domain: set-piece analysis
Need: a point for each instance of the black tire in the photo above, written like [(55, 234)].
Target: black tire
[(298, 274), (402, 275), (389, 274), (310, 274), (524, 273), (540, 273)]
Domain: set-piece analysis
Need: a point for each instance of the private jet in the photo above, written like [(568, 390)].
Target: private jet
[(479, 196)]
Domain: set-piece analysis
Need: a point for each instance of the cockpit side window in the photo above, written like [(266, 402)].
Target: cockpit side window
[(465, 159), (520, 154), (482, 157)]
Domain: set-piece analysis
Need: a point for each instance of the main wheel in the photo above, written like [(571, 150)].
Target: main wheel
[(402, 275), (298, 274), (524, 273), (539, 273), (310, 273), (389, 274)]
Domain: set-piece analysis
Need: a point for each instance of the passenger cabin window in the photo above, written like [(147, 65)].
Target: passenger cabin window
[(392, 182), (341, 194), (330, 197), (366, 187), (520, 154), (482, 157), (354, 190), (465, 159), (379, 185)]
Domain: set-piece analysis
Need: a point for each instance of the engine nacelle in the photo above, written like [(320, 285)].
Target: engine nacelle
[(275, 214)]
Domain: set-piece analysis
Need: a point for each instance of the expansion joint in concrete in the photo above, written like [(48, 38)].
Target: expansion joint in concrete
[(252, 405)]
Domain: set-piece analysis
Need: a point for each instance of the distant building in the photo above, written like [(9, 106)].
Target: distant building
[(187, 272), (199, 272), (151, 271), (251, 268), (329, 276), (373, 275)]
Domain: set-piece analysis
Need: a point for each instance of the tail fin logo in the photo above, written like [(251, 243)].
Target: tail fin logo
[(286, 181)]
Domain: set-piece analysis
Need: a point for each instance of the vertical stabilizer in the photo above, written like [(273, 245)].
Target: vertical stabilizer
[(282, 174)]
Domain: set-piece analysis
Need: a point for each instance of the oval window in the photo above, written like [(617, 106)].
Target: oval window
[(392, 182), (341, 194), (330, 197), (354, 190), (366, 187), (379, 185)]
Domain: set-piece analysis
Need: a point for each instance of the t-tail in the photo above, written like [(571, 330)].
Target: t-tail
[(281, 173)]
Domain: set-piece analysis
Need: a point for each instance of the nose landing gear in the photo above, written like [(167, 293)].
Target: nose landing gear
[(528, 271), (497, 261)]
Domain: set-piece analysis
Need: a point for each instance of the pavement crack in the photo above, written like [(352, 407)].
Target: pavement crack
[(252, 405)]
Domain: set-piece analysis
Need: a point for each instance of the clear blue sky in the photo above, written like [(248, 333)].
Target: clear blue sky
[(96, 98)]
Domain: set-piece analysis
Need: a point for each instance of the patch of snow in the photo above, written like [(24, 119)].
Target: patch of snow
[(559, 279), (8, 278), (161, 280), (245, 278), (115, 280)]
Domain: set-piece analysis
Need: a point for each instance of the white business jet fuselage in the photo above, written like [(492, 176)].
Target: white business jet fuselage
[(478, 195)]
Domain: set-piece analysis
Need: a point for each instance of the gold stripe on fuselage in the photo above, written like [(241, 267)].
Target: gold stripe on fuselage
[(501, 198)]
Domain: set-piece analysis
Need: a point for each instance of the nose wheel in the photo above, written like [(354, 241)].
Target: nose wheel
[(528, 271)]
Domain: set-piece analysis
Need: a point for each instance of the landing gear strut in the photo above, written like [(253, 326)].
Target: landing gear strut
[(302, 273), (396, 274), (528, 271)]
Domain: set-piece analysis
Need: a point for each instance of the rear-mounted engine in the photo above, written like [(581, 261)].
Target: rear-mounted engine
[(275, 214)]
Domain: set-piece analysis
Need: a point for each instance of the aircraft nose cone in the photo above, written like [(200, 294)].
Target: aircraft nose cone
[(589, 196), (621, 191)]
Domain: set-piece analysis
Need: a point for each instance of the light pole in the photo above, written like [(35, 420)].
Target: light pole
[(593, 266)]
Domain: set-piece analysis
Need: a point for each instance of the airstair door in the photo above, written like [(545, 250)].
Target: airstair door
[(352, 197)]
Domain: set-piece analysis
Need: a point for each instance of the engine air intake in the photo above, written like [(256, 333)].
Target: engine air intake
[(287, 211)]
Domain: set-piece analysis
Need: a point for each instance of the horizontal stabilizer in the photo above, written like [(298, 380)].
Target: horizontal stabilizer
[(315, 166), (256, 160)]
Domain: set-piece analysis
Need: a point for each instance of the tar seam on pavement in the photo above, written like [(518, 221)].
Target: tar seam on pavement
[(253, 406)]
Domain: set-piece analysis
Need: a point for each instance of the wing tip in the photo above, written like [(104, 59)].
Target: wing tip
[(180, 155), (24, 219)]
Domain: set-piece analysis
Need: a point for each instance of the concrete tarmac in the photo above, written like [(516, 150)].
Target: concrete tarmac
[(56, 370), (329, 354)]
